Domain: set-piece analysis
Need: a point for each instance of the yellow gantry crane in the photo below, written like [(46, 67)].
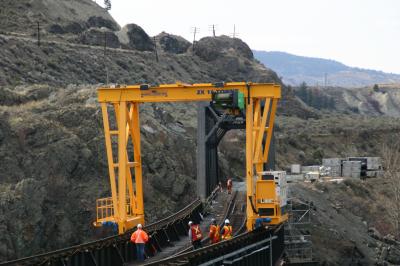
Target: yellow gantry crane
[(120, 109)]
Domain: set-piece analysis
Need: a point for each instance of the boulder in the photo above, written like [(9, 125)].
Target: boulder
[(393, 256), (134, 37), (73, 27), (100, 22), (211, 48), (98, 37), (173, 43), (56, 29), (373, 232)]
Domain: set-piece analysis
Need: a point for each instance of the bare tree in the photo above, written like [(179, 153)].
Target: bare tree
[(107, 4), (391, 164)]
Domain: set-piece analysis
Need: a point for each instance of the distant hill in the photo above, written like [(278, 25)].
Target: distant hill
[(296, 69)]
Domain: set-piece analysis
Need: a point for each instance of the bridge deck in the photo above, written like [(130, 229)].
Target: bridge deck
[(217, 210)]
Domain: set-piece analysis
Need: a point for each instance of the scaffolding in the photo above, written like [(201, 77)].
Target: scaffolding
[(298, 244)]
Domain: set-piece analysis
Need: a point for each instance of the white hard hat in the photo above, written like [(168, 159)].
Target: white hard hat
[(139, 226), (227, 221), (190, 223)]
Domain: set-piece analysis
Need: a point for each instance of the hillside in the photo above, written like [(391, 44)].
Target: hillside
[(296, 69), (71, 16), (51, 133), (51, 136)]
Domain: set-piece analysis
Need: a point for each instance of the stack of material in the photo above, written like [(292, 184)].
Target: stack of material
[(294, 178), (295, 169), (311, 176), (334, 164), (363, 161), (351, 169), (374, 163), (374, 167), (310, 168)]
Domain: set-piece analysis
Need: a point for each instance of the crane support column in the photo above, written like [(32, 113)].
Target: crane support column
[(249, 164), (125, 206)]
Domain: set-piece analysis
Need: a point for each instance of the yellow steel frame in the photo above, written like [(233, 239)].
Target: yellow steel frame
[(127, 195)]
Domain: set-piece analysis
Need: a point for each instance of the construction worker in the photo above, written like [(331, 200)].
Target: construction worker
[(229, 185), (195, 235), (214, 232), (140, 238), (220, 186), (226, 231)]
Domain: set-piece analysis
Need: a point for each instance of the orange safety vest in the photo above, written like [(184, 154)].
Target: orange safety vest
[(139, 237), (214, 233), (227, 232), (196, 232)]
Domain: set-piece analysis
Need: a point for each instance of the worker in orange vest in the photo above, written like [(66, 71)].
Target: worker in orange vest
[(214, 232), (229, 185), (140, 238), (226, 231), (195, 235)]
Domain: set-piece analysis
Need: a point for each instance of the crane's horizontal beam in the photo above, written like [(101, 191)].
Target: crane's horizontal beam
[(184, 92)]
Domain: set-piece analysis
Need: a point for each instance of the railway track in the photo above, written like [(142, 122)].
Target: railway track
[(118, 250), (263, 246), (237, 214), (235, 211)]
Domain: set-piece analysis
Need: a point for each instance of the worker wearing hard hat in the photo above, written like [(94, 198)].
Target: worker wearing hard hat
[(229, 185), (226, 231), (214, 232), (195, 235), (140, 238)]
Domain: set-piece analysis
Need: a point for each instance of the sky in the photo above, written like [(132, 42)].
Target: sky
[(360, 33)]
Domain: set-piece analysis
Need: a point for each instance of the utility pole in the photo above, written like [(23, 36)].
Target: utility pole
[(155, 47), (325, 80), (234, 34), (105, 56), (38, 33), (213, 28), (195, 30)]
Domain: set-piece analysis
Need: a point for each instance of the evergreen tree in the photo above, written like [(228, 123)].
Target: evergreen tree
[(303, 92), (310, 98)]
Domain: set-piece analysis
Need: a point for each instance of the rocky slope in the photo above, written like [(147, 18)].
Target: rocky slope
[(73, 16), (350, 222), (381, 100), (51, 138)]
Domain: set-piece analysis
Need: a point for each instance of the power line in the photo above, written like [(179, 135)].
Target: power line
[(105, 56), (155, 47)]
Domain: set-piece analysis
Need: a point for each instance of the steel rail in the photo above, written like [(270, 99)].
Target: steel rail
[(86, 250)]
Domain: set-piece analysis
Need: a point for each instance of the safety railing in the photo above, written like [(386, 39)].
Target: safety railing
[(105, 209)]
